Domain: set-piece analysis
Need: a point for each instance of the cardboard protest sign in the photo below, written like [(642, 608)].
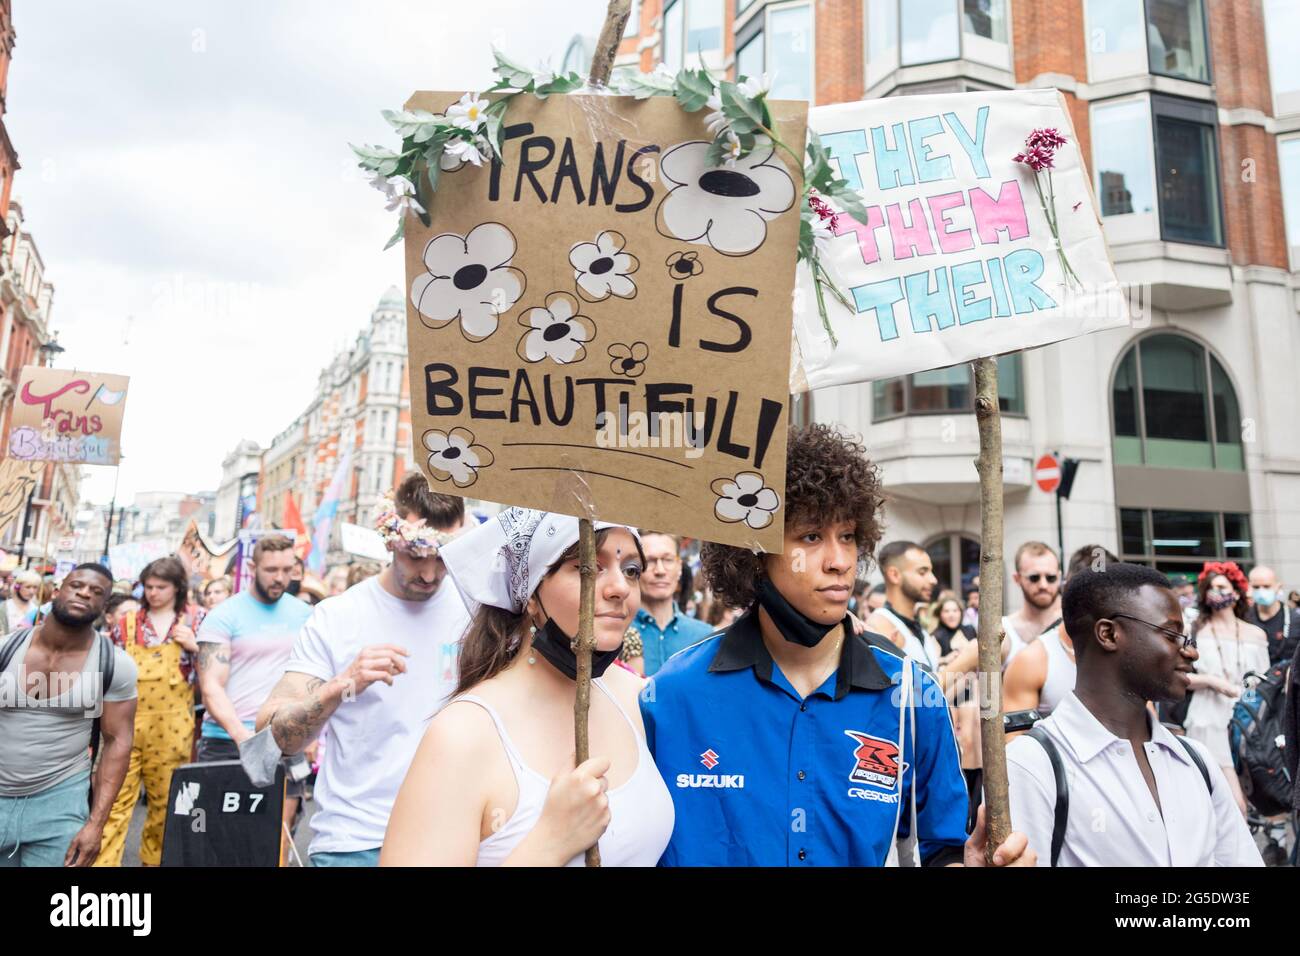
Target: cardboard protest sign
[(17, 479), (66, 415), (364, 542), (200, 558), (600, 326), (960, 257), (126, 561)]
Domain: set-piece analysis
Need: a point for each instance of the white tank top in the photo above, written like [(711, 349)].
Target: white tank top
[(641, 809), (1016, 645), (1061, 671), (923, 653)]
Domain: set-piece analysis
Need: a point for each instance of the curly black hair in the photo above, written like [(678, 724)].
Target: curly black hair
[(828, 478)]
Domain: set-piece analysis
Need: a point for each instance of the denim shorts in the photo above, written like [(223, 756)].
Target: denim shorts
[(349, 858), (36, 830)]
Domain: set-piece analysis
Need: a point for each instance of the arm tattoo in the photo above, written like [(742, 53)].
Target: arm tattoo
[(209, 652), (296, 722)]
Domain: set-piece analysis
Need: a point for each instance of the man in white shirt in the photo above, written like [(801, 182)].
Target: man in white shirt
[(377, 697), (1136, 795)]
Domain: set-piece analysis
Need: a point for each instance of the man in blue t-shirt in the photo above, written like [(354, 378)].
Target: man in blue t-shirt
[(664, 629), (244, 644), (788, 740)]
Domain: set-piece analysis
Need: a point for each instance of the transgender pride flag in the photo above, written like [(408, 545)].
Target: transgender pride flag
[(323, 520)]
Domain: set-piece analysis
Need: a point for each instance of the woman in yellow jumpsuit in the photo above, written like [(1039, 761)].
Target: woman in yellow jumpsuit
[(164, 715)]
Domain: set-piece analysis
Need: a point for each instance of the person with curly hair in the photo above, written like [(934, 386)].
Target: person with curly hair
[(1230, 647), (789, 740)]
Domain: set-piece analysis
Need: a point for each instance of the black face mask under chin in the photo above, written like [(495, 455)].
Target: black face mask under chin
[(557, 647), (794, 626)]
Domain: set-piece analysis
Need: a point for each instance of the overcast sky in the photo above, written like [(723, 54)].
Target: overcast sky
[(186, 177)]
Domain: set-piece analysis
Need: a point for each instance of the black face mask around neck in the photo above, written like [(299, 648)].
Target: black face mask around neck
[(557, 647), (794, 626)]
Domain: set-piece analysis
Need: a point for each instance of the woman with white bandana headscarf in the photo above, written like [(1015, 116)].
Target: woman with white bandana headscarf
[(494, 782)]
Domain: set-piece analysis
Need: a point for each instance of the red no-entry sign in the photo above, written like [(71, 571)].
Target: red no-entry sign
[(1047, 472)]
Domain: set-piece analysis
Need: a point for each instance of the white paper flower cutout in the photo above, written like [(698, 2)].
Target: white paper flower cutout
[(745, 498), (469, 280), (454, 457), (726, 208), (602, 267), (555, 331)]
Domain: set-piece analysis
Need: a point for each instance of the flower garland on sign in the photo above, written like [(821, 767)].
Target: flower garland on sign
[(1039, 155), (739, 121), (415, 538)]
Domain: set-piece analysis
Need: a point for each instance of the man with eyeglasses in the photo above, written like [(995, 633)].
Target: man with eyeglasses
[(1102, 783), (1038, 573), (664, 629)]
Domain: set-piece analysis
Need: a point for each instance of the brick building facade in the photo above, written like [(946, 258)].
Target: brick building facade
[(1187, 113)]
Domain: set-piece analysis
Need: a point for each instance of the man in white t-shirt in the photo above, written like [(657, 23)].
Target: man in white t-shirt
[(376, 662)]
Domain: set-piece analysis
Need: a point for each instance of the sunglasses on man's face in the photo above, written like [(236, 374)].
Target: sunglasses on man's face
[(1035, 578)]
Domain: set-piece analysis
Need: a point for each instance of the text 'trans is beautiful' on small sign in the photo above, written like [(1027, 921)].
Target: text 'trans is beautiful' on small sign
[(600, 326)]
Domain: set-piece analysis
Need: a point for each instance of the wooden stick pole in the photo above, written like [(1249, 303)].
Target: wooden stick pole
[(611, 35), (602, 63), (993, 741), (586, 641)]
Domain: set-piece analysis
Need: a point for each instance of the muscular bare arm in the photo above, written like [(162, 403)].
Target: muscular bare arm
[(1023, 684), (116, 729), (297, 709), (300, 704), (213, 665)]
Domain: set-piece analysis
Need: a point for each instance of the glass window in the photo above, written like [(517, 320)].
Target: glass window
[(1124, 396), (1132, 531), (749, 58), (929, 31), (1121, 157), (940, 552), (1181, 386), (1281, 27), (1288, 154), (882, 39), (984, 25), (958, 576), (673, 24), (1116, 39), (633, 20), (1236, 537), (704, 32), (1173, 399), (790, 52), (943, 390), (1228, 452), (1184, 533), (1011, 388), (1176, 39), (889, 397), (1189, 181), (950, 389)]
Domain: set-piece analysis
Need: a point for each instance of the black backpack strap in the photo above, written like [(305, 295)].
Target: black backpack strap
[(107, 664), (10, 646), (1062, 811), (1196, 759)]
